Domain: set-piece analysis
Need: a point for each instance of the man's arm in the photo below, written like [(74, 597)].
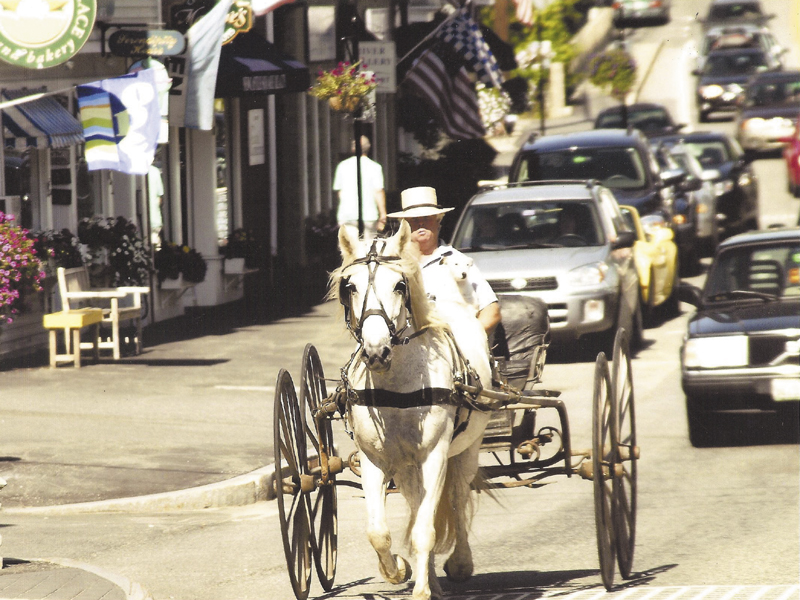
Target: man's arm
[(489, 317), (380, 201)]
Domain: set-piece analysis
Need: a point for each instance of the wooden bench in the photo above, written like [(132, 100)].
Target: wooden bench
[(72, 322), (76, 292)]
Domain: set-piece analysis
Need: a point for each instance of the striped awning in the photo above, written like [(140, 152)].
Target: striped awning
[(40, 123)]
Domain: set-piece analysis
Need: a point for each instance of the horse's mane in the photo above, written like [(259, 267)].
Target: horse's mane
[(424, 315)]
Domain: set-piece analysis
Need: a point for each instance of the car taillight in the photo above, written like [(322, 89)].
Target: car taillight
[(655, 4), (616, 5)]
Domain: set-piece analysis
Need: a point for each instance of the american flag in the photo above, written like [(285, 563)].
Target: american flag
[(463, 34), (449, 93)]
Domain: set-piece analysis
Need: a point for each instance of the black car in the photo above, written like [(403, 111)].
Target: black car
[(735, 182), (722, 80), (742, 348), (739, 36), (769, 110), (619, 159), (728, 12), (651, 119)]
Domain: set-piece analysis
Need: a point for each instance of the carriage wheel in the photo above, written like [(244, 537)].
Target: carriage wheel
[(292, 484), (603, 453), (627, 455), (324, 519)]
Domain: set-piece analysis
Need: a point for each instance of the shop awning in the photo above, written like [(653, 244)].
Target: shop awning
[(41, 123), (250, 65)]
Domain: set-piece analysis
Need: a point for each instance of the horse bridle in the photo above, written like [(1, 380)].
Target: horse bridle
[(373, 260)]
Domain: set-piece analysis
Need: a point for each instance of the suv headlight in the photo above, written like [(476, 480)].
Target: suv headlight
[(715, 352), (709, 92), (588, 275), (723, 187)]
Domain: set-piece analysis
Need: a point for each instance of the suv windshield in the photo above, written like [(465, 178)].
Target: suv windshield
[(758, 271), (710, 154), (649, 119), (618, 168), (724, 65), (529, 225), (737, 10), (773, 92)]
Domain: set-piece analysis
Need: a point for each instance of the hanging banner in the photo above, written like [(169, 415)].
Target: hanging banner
[(163, 83), (39, 35), (121, 121)]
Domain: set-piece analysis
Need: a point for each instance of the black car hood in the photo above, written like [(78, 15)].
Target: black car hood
[(719, 80), (745, 317), (644, 201), (767, 112)]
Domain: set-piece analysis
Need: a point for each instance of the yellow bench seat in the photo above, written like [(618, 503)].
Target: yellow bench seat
[(71, 322)]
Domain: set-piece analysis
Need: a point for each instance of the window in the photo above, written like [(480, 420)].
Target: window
[(619, 168)]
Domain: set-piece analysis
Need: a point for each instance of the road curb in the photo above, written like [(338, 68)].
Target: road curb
[(238, 491)]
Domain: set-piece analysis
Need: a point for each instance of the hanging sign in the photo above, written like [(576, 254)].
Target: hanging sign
[(151, 42), (238, 20), (38, 35)]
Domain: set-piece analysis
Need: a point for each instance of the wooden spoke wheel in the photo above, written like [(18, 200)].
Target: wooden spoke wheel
[(627, 455), (604, 450), (324, 517), (293, 483)]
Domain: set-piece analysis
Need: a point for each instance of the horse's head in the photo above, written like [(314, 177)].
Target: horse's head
[(380, 288)]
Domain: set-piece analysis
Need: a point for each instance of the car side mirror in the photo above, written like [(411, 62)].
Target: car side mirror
[(625, 239), (673, 176), (689, 294), (691, 184)]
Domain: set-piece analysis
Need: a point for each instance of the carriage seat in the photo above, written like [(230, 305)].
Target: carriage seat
[(521, 340)]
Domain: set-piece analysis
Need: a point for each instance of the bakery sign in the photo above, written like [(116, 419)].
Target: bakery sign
[(38, 34)]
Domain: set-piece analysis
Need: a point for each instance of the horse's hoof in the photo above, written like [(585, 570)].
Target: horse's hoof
[(461, 573), (403, 570)]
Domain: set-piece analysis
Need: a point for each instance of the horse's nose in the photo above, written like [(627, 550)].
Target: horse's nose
[(378, 358)]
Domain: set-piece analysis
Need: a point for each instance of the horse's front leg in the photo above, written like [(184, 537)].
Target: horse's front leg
[(393, 568), (423, 534), (463, 468)]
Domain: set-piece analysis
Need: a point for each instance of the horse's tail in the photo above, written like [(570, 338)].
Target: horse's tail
[(446, 513)]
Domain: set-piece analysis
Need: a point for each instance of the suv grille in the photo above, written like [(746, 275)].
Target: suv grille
[(766, 348), (531, 284)]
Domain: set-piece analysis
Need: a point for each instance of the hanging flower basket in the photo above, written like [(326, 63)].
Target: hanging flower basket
[(345, 87), (613, 71)]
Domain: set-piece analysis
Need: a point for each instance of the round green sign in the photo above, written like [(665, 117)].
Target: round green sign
[(38, 34)]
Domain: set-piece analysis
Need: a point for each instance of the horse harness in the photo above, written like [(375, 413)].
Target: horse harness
[(347, 395)]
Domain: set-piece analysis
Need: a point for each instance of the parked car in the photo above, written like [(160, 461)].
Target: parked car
[(768, 111), (742, 347), (656, 258), (728, 168), (630, 12), (722, 80), (651, 119), (744, 35), (564, 242), (791, 154), (728, 12)]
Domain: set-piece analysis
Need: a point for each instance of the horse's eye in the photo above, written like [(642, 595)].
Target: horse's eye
[(401, 287)]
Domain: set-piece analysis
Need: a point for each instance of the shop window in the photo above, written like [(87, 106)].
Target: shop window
[(224, 206), (18, 186)]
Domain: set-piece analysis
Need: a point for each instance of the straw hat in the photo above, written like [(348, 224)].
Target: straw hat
[(419, 202)]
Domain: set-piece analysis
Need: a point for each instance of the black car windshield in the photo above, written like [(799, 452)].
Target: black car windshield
[(731, 65), (650, 119), (529, 225), (735, 10), (618, 168), (710, 154), (774, 92), (756, 271)]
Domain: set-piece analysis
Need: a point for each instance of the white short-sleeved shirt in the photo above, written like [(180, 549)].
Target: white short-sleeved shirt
[(346, 183), (434, 269)]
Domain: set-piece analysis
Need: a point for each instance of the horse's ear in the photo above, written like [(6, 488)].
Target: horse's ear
[(403, 236), (348, 243)]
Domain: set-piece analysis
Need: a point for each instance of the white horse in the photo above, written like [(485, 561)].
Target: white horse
[(408, 422)]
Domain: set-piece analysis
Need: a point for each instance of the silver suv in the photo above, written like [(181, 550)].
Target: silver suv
[(565, 242)]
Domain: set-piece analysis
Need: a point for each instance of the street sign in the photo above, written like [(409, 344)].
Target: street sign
[(381, 59)]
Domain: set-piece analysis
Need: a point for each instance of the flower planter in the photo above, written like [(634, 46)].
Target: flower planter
[(349, 104), (174, 284), (234, 266)]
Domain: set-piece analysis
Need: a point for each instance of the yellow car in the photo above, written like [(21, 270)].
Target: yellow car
[(656, 257)]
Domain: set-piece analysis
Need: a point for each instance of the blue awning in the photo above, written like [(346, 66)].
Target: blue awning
[(40, 123)]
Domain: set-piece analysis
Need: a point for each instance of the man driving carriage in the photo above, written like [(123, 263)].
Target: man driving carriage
[(440, 260)]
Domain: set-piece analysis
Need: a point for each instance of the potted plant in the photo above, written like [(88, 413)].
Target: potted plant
[(176, 266), (60, 248), (241, 250), (117, 253), (345, 86), (614, 71), (21, 270)]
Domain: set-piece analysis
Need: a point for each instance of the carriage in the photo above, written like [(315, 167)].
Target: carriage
[(307, 468)]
